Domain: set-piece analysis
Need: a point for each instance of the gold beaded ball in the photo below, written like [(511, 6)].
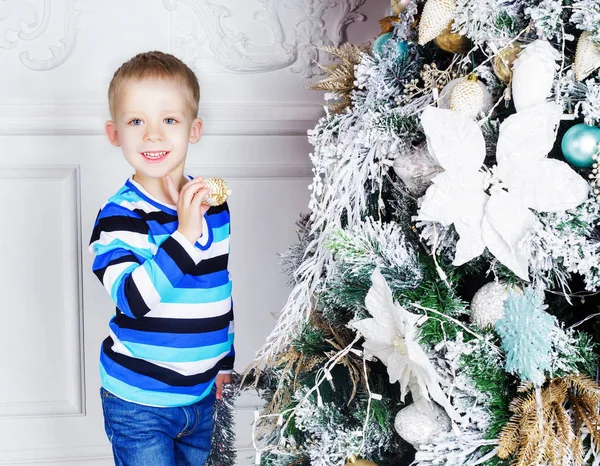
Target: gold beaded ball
[(468, 97), (219, 191)]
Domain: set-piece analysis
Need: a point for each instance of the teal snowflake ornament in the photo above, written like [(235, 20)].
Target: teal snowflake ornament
[(526, 331)]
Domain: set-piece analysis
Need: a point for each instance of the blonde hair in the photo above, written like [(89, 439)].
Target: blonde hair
[(154, 65)]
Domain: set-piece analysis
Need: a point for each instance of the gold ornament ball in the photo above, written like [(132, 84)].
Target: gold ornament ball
[(219, 191), (352, 462), (468, 97), (452, 42), (504, 60)]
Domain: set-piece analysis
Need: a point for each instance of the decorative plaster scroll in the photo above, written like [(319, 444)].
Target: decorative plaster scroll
[(201, 33), (20, 24)]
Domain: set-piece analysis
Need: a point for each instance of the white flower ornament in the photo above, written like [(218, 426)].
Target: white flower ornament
[(523, 179), (392, 337)]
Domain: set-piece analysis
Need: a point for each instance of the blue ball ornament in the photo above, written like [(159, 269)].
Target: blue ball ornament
[(579, 144), (382, 41)]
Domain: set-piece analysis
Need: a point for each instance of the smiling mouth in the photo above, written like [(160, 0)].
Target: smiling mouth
[(155, 156)]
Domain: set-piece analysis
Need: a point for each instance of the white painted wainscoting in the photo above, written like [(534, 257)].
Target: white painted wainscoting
[(254, 59)]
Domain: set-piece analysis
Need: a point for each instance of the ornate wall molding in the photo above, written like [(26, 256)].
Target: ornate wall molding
[(24, 21), (205, 35)]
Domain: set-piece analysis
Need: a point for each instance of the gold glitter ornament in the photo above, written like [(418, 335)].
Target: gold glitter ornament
[(587, 56), (436, 16), (452, 42), (219, 191), (504, 60), (468, 97)]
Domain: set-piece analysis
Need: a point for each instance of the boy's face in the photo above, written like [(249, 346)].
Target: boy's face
[(153, 124)]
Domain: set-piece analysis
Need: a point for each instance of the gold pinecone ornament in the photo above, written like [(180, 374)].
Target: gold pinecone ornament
[(436, 16), (587, 56), (219, 191), (468, 97)]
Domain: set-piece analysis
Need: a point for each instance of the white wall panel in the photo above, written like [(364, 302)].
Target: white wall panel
[(253, 59)]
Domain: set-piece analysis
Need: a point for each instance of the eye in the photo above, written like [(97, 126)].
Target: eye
[(135, 122), (170, 121)]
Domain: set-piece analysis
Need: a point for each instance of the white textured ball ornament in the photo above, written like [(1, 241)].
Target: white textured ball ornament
[(533, 74), (446, 92), (587, 57), (468, 97), (487, 306), (419, 427), (436, 16)]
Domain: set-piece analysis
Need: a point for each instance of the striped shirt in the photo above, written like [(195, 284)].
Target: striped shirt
[(173, 328)]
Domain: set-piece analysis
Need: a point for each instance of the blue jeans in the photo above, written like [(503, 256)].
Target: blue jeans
[(148, 436)]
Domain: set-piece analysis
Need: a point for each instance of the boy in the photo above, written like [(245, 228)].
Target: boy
[(162, 256)]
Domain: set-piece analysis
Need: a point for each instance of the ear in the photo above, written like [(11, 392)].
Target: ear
[(196, 130), (110, 128)]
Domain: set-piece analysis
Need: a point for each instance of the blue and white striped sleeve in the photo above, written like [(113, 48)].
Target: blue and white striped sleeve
[(136, 273), (227, 362)]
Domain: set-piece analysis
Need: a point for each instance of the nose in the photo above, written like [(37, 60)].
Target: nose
[(153, 133)]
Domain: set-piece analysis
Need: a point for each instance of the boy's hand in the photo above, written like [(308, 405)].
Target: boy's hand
[(220, 381), (190, 209)]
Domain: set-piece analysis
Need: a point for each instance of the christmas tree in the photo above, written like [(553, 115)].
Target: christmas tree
[(443, 307)]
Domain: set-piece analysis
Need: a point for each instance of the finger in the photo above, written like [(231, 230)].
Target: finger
[(190, 190), (171, 189), (219, 389), (199, 198), (193, 182)]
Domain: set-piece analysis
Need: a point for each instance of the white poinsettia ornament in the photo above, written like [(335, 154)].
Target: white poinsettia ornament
[(392, 336), (523, 179)]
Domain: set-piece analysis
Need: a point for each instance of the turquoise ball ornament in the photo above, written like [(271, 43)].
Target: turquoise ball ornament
[(580, 144), (383, 39)]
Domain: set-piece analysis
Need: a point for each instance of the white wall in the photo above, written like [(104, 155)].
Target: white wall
[(253, 59)]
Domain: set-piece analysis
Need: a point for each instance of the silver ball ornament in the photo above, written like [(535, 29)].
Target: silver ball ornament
[(416, 168), (487, 306), (420, 426)]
